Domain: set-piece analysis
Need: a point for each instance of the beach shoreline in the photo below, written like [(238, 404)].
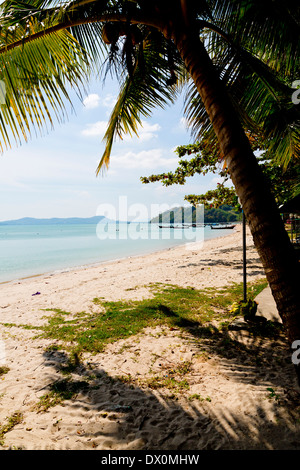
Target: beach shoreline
[(231, 406), (188, 245)]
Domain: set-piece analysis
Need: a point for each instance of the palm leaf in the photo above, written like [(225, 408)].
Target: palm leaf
[(140, 92), (269, 29), (260, 96), (36, 76)]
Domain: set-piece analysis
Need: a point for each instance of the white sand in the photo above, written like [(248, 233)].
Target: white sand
[(232, 407)]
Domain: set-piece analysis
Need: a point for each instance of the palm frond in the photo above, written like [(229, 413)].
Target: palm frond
[(36, 76), (141, 91), (260, 96), (78, 16), (269, 29)]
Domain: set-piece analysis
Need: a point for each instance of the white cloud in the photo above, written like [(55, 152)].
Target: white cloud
[(92, 101), (21, 167), (145, 132), (147, 159), (95, 130), (108, 101)]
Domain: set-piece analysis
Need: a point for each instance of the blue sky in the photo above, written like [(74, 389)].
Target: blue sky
[(54, 175)]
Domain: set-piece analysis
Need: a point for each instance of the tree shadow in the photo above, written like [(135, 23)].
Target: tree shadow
[(254, 266), (122, 414), (250, 353)]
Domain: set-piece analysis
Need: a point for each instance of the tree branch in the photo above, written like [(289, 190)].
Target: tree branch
[(137, 19)]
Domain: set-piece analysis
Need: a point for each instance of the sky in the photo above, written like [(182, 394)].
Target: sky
[(54, 175)]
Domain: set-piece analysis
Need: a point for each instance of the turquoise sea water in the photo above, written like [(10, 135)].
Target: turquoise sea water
[(38, 249)]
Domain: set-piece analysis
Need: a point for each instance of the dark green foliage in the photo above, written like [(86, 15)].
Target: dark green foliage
[(204, 158), (222, 214)]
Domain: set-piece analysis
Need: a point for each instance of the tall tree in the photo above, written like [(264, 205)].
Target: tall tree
[(238, 58)]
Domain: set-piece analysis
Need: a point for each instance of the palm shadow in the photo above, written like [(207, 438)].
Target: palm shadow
[(125, 415), (250, 353), (254, 266)]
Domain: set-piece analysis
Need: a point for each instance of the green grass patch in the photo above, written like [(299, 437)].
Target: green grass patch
[(4, 370), (197, 396), (170, 305), (12, 421), (59, 392), (171, 383), (172, 379), (24, 326)]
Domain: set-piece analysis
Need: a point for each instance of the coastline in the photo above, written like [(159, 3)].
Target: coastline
[(233, 409), (188, 245)]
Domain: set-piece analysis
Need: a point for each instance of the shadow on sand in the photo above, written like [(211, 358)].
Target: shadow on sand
[(130, 415)]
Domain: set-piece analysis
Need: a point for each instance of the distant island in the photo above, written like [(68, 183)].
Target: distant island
[(56, 221), (224, 213)]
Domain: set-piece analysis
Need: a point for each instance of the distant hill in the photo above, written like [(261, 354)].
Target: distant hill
[(55, 221), (224, 214)]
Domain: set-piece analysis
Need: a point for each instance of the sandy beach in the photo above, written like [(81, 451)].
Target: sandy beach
[(244, 404)]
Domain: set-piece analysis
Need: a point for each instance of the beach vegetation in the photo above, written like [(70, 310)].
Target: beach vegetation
[(74, 360), (24, 326), (168, 381), (4, 370), (12, 421), (197, 396), (272, 394), (60, 391), (201, 317), (246, 308), (170, 305), (172, 379)]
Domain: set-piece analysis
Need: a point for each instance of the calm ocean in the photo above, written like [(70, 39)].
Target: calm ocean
[(38, 249)]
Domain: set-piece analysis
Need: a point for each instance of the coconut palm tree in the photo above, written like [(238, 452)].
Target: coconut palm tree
[(237, 58)]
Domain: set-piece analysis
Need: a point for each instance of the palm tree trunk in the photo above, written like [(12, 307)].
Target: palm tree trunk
[(270, 238)]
